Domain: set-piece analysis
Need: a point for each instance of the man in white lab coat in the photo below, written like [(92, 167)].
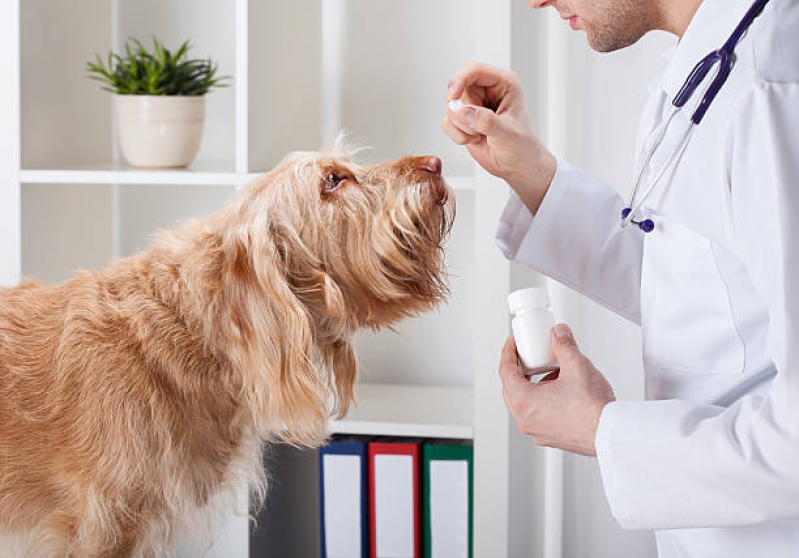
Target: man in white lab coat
[(711, 460)]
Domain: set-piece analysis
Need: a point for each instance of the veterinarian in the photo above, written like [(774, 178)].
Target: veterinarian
[(705, 257)]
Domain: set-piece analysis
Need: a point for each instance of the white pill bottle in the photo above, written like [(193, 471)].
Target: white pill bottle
[(532, 327)]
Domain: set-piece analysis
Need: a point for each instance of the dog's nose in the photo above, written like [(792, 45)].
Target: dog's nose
[(431, 165)]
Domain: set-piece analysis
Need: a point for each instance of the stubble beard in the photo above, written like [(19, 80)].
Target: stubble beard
[(622, 24)]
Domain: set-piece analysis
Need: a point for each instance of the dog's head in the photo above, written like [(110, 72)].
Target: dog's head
[(327, 246), (361, 246)]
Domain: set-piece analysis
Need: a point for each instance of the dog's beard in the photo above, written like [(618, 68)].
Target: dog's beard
[(420, 226), (408, 237)]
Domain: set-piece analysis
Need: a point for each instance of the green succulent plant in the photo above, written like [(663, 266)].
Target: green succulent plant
[(156, 72)]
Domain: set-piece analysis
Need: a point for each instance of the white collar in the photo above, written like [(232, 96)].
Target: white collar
[(711, 26)]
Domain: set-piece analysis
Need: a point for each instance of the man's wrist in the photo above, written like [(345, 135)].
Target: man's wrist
[(532, 189)]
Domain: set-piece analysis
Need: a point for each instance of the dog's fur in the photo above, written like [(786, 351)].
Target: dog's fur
[(134, 396)]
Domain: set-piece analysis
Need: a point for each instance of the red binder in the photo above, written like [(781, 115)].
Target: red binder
[(395, 496)]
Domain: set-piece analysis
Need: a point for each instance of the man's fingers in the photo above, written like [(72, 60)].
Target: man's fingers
[(563, 345), (475, 73), (473, 120), (510, 371), (550, 377), (455, 134)]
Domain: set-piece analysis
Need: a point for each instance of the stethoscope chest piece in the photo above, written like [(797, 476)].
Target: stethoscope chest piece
[(647, 225)]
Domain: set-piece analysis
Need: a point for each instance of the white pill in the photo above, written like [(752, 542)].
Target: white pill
[(455, 105)]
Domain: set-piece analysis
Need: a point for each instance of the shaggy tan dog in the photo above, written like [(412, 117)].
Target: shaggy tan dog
[(134, 396)]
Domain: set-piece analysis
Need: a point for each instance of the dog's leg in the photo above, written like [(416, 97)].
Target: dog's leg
[(52, 537), (125, 546), (117, 537)]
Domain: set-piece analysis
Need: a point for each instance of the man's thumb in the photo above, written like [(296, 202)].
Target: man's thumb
[(563, 343)]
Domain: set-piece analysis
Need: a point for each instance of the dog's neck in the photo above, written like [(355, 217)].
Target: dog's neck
[(276, 366)]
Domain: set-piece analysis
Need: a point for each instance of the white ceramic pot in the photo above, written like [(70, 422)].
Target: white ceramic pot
[(160, 130)]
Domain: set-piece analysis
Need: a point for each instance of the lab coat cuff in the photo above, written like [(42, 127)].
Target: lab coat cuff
[(518, 224), (609, 443), (635, 442)]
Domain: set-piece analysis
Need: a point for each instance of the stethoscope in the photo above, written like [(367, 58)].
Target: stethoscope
[(725, 57)]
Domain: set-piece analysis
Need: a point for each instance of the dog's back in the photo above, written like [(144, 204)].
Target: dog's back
[(94, 428)]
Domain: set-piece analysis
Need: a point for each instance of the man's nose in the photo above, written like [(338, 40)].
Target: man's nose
[(431, 164)]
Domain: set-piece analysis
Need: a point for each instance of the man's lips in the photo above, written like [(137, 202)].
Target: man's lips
[(572, 19)]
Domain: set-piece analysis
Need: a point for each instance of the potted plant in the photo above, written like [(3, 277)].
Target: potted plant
[(160, 101)]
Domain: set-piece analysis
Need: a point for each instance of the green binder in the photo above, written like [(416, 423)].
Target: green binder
[(447, 485)]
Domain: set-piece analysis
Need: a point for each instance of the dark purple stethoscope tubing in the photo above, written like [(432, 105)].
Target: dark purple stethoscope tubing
[(725, 58)]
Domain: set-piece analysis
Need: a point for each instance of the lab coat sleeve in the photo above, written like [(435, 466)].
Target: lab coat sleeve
[(672, 464), (575, 238)]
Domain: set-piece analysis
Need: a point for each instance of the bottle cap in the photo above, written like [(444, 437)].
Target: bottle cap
[(536, 297)]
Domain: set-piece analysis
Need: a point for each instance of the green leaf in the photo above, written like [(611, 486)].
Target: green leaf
[(139, 71)]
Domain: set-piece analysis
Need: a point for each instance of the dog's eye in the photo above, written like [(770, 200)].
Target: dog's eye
[(332, 182)]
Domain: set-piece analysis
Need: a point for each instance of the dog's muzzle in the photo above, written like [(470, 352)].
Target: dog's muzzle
[(433, 166)]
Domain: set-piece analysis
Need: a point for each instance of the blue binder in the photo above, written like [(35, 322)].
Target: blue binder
[(343, 496)]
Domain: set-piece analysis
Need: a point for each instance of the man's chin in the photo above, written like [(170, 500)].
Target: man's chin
[(604, 42)]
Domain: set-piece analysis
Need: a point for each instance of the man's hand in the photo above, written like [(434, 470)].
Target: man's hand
[(495, 128), (563, 410)]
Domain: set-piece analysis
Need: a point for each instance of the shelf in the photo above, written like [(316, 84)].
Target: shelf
[(414, 411), (207, 174), (210, 174)]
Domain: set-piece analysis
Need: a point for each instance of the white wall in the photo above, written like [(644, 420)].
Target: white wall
[(10, 260), (64, 228), (605, 94), (66, 120), (284, 80), (66, 117), (391, 97), (390, 84)]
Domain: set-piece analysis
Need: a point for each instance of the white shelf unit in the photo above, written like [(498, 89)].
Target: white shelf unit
[(300, 72)]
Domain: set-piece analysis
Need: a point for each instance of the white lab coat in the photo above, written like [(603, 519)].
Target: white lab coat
[(711, 460)]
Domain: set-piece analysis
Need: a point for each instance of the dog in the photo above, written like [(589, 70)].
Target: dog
[(134, 397)]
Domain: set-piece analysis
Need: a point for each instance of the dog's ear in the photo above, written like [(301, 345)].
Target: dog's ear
[(273, 348)]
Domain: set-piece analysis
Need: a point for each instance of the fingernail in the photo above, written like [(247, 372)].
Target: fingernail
[(451, 91), (563, 333), (467, 113)]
